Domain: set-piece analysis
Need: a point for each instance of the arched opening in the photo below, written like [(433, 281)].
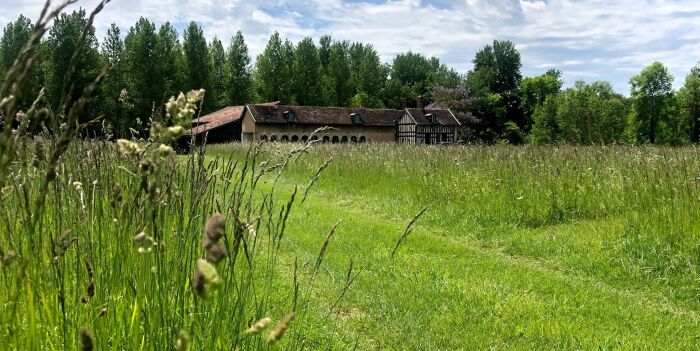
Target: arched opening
[(326, 139), (295, 138), (344, 140), (353, 139), (284, 139), (363, 139), (273, 138), (304, 139), (263, 137), (335, 140), (314, 138)]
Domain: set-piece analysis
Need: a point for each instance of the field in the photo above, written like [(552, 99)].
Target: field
[(518, 248)]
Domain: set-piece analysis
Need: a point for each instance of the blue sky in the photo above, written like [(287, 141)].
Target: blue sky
[(588, 40)]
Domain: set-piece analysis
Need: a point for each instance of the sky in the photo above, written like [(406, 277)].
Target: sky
[(586, 39)]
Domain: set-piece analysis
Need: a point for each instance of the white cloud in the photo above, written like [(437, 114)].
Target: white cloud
[(600, 38)]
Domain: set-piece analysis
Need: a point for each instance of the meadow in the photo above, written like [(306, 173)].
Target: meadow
[(350, 247)]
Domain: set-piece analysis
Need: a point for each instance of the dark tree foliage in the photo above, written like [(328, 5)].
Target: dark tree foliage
[(141, 65), (238, 69), (219, 77), (14, 36), (198, 65), (307, 73), (339, 77), (272, 72), (62, 42), (170, 61), (495, 79), (112, 108)]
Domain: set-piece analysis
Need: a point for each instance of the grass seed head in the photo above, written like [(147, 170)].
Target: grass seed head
[(205, 279), (183, 341), (278, 331), (217, 252), (259, 326), (87, 340), (215, 228)]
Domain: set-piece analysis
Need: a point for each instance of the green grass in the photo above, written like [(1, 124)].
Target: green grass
[(520, 248), (530, 248)]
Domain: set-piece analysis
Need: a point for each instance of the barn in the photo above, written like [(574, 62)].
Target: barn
[(297, 123), (285, 123)]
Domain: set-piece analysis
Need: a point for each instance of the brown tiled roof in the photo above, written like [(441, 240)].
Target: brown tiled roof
[(324, 115), (219, 118), (444, 117), (216, 119)]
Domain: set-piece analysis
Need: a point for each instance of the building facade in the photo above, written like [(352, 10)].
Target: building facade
[(283, 123)]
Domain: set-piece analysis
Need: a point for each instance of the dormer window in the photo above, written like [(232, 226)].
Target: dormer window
[(431, 118), (356, 118), (290, 116)]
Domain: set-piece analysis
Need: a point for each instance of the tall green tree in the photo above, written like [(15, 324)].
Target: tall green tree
[(238, 86), (535, 90), (496, 77), (14, 36), (412, 72), (198, 65), (170, 61), (689, 97), (306, 73), (272, 72), (652, 98), (112, 108), (584, 114), (339, 77), (141, 64), (219, 73), (61, 45), (371, 81), (324, 50)]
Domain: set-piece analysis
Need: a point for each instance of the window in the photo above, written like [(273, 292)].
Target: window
[(353, 139), (263, 137), (304, 139), (431, 118), (356, 118), (326, 139), (335, 140), (344, 140), (295, 138), (284, 139), (362, 139), (290, 116), (273, 138)]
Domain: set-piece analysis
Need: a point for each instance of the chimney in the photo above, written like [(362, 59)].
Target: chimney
[(404, 103), (419, 102)]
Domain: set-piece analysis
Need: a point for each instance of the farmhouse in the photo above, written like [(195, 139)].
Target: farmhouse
[(283, 123)]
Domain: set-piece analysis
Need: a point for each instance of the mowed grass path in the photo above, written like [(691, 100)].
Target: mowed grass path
[(521, 248)]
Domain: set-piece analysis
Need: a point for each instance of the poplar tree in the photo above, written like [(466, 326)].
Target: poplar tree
[(306, 73), (272, 71), (238, 86), (197, 62), (14, 36), (112, 108), (141, 65), (217, 60), (61, 45), (340, 76)]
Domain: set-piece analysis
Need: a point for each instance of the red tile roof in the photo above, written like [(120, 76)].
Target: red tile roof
[(219, 118), (324, 115)]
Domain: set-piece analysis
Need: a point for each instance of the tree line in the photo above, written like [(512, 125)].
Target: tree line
[(494, 101)]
